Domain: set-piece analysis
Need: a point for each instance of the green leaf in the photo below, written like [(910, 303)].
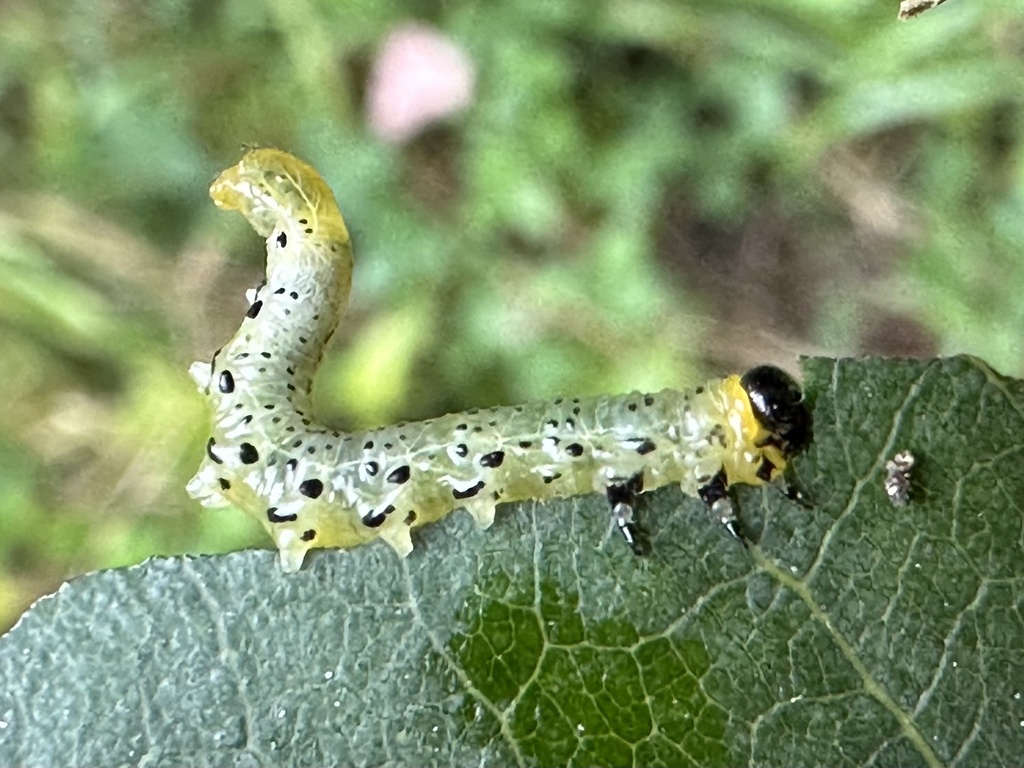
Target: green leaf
[(855, 633)]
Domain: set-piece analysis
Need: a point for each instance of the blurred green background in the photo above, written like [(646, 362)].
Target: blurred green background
[(640, 193)]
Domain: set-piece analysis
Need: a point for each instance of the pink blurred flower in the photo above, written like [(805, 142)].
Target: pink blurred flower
[(418, 78)]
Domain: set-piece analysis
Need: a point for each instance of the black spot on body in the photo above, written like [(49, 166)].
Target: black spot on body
[(248, 454), (376, 519), (372, 468), (308, 535), (273, 517), (282, 240), (574, 449), (368, 446), (400, 475), (548, 479), (645, 447), (469, 492), (209, 451), (293, 464), (254, 309), (631, 406), (294, 295), (279, 291), (226, 383), (492, 459), (462, 450), (311, 488), (648, 400), (525, 444), (224, 484)]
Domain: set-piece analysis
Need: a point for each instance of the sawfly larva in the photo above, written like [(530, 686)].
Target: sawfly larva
[(314, 486)]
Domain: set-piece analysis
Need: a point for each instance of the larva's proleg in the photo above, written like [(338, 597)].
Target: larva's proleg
[(314, 486)]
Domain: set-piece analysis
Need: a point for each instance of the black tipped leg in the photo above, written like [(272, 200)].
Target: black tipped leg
[(791, 490), (723, 512), (623, 497), (716, 495)]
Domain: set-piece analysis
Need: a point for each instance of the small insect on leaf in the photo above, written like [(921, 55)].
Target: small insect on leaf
[(898, 478)]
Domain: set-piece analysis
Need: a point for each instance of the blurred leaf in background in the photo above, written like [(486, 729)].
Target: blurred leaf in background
[(623, 195)]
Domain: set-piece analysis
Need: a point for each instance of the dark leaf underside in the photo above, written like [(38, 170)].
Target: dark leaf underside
[(855, 633)]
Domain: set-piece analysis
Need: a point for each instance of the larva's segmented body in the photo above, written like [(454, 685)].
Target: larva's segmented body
[(312, 486)]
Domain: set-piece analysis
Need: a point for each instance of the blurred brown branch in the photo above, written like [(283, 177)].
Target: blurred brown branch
[(909, 8)]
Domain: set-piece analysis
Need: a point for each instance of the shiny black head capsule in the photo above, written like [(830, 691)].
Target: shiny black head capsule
[(779, 407)]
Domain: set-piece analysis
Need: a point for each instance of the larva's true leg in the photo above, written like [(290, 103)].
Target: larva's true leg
[(623, 497), (716, 495), (787, 482), (794, 494)]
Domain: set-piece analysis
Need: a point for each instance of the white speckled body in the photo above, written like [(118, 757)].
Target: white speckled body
[(312, 486)]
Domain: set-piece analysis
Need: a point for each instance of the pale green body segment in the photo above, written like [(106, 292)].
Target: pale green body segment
[(312, 486)]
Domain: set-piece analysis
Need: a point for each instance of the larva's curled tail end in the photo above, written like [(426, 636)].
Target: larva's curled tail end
[(272, 188)]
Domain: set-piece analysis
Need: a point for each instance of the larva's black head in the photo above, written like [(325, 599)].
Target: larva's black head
[(779, 407)]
